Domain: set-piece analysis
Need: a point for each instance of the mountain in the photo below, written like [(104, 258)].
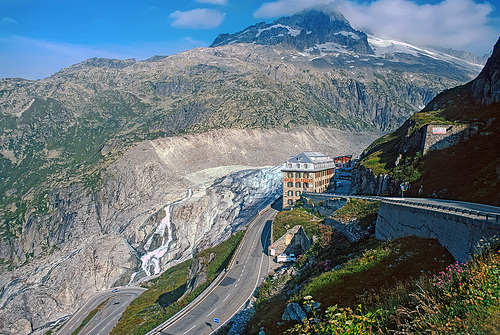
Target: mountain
[(309, 31), (91, 156), (463, 165)]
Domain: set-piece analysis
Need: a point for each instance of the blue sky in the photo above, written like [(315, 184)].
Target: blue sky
[(39, 37)]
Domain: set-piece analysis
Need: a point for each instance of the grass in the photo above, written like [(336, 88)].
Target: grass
[(89, 317), (382, 154), (161, 300), (298, 216), (365, 211), (377, 267), (460, 299), (336, 272)]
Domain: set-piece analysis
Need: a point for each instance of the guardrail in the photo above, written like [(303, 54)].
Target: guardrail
[(435, 207)]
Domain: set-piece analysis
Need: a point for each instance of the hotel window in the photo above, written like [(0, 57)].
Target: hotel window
[(290, 193), (297, 184), (297, 174), (290, 184), (306, 174), (306, 185), (290, 201), (305, 166), (297, 193), (290, 174)]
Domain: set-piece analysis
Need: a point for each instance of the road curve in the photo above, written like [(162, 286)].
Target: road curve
[(104, 321), (222, 301)]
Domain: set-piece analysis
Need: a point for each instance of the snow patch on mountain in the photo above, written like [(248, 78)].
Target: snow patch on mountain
[(291, 31), (350, 34), (389, 47)]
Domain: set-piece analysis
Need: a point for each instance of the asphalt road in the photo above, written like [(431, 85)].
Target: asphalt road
[(344, 189), (223, 301), (455, 204), (104, 321)]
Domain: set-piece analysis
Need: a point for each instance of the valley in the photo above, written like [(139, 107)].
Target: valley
[(114, 171)]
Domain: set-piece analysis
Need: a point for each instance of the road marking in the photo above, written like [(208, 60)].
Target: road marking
[(211, 312), (226, 297), (256, 282), (239, 278), (187, 331)]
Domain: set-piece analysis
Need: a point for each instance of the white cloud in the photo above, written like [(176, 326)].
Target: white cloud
[(213, 2), (458, 24), (289, 7), (199, 18)]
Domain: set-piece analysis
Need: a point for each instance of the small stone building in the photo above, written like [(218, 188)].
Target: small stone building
[(294, 241)]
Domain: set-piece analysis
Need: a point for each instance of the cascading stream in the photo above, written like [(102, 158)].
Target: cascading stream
[(152, 258)]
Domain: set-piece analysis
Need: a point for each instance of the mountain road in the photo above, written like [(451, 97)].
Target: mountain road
[(222, 301), (117, 300)]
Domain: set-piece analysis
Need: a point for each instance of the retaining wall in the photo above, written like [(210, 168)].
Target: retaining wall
[(458, 233)]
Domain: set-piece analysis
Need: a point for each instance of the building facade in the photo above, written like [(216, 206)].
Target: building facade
[(307, 172), (343, 161)]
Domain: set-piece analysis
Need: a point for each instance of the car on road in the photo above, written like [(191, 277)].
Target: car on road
[(115, 290)]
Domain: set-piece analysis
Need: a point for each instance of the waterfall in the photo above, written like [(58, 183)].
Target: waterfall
[(152, 258)]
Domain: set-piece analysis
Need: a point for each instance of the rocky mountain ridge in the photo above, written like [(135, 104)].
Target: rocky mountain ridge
[(471, 114), (309, 31)]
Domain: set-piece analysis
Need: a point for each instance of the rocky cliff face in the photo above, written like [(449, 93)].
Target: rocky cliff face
[(486, 87), (365, 181)]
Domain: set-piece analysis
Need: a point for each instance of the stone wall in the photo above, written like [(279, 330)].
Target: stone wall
[(324, 205), (457, 233), (452, 134)]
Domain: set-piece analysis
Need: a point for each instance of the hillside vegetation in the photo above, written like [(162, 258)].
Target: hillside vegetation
[(461, 299), (408, 285)]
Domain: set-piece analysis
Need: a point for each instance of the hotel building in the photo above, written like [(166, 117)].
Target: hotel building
[(307, 172)]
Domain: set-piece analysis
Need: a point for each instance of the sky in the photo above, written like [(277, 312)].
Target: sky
[(40, 37)]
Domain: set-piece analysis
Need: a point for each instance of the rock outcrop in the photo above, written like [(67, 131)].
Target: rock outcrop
[(293, 312), (485, 88), (364, 181)]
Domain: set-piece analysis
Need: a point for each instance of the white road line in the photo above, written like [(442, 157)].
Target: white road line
[(256, 282), (187, 331), (226, 297), (212, 312), (239, 278)]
